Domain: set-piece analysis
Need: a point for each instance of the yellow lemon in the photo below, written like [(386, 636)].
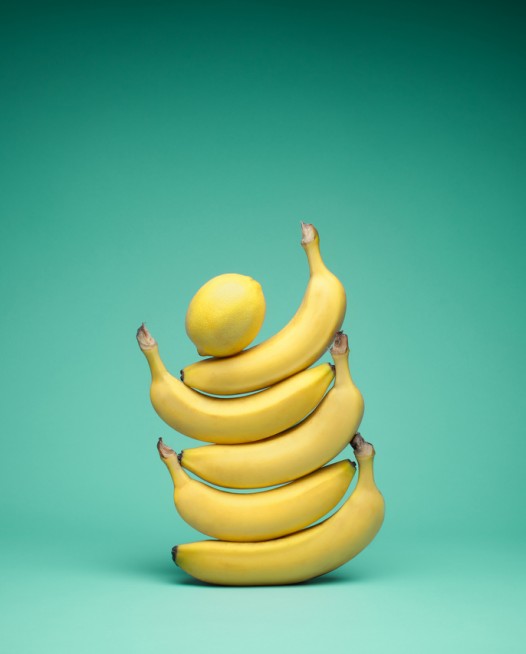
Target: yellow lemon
[(225, 315)]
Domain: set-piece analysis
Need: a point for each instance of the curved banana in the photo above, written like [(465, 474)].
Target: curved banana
[(295, 452), (256, 516), (306, 554), (299, 344), (232, 420)]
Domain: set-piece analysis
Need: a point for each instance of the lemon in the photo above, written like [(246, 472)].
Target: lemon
[(225, 315)]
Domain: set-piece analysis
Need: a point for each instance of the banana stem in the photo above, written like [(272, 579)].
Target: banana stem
[(164, 450), (361, 447), (171, 461), (309, 233), (145, 339), (311, 244), (364, 453), (340, 345), (149, 348), (340, 354)]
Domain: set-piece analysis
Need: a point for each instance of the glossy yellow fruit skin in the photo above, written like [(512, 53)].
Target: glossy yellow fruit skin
[(225, 315), (300, 556), (294, 452), (232, 419), (261, 515), (295, 347)]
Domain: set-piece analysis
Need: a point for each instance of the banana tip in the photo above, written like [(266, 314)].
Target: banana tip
[(174, 554), (340, 344), (145, 339), (164, 450), (361, 447), (308, 233)]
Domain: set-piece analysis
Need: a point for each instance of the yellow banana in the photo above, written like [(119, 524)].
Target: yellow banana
[(295, 452), (232, 420), (300, 556), (257, 516), (299, 344)]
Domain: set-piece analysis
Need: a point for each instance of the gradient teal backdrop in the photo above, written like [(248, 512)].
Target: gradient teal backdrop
[(146, 147)]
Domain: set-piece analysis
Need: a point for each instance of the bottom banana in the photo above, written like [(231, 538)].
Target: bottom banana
[(303, 555)]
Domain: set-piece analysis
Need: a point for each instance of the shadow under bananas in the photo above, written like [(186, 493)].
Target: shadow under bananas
[(165, 572)]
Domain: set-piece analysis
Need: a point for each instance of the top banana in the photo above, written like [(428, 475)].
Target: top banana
[(301, 342), (234, 419)]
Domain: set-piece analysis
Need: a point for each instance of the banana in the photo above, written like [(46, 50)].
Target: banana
[(295, 452), (232, 420), (300, 556), (256, 516), (299, 344)]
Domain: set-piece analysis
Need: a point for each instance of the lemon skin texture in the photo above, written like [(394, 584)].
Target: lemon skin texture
[(225, 315)]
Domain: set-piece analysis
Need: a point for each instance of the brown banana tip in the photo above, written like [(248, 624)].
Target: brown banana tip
[(360, 446), (174, 554), (180, 456), (145, 339), (164, 450), (340, 344), (181, 375), (356, 440), (353, 463), (308, 233)]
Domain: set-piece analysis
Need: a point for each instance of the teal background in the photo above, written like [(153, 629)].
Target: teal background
[(146, 147)]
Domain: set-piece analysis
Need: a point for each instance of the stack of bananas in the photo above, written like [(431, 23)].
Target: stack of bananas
[(279, 431)]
